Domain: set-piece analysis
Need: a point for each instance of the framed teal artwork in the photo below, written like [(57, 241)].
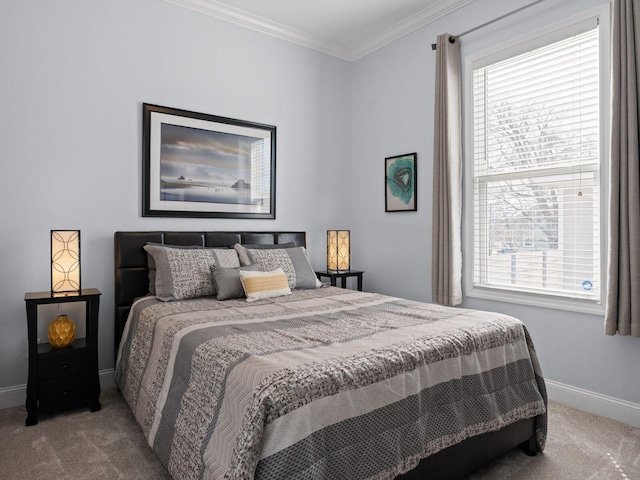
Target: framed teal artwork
[(400, 183)]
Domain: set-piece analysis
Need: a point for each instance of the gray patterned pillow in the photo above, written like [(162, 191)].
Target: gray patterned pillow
[(293, 262), (225, 258), (227, 281), (242, 252), (185, 272)]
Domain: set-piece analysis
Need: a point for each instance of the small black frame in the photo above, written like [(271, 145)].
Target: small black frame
[(401, 183)]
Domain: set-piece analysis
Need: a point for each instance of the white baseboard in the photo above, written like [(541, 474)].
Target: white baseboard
[(592, 402), (107, 377), (13, 396), (17, 395)]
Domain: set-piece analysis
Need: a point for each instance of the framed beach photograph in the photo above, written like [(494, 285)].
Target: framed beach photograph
[(400, 183), (199, 165)]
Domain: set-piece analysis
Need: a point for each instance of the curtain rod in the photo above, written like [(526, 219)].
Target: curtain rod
[(453, 40)]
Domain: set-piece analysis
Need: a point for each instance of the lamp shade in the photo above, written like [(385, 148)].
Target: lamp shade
[(65, 261), (338, 251)]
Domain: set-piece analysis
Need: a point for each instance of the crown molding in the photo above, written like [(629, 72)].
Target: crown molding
[(230, 14), (262, 25), (433, 12)]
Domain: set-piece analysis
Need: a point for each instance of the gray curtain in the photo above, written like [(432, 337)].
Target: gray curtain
[(623, 294), (446, 255)]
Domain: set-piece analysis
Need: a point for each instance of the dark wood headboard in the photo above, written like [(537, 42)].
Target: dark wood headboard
[(130, 259)]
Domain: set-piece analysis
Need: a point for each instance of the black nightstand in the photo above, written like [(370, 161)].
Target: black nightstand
[(67, 376), (342, 276)]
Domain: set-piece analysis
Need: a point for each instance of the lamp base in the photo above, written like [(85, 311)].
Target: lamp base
[(72, 293)]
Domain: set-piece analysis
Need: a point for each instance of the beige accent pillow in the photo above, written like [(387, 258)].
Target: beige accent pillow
[(261, 285)]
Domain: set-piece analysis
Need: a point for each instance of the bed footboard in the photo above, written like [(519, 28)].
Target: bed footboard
[(459, 461)]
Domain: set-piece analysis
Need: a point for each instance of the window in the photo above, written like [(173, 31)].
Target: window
[(536, 172)]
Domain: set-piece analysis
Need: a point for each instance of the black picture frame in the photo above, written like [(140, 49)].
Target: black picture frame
[(200, 165), (401, 183)]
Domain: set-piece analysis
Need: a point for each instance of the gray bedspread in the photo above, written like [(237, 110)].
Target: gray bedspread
[(326, 383)]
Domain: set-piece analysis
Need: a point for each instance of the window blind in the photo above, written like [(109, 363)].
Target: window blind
[(536, 151)]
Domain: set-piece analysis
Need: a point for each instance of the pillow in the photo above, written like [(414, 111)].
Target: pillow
[(293, 262), (267, 246), (185, 272), (151, 265), (261, 285), (227, 283), (225, 258), (242, 253)]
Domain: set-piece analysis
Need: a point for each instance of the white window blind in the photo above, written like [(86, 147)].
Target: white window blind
[(536, 151)]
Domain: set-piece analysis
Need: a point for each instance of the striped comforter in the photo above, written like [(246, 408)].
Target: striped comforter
[(326, 383)]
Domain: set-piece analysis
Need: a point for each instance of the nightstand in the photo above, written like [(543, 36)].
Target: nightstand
[(67, 376), (342, 276)]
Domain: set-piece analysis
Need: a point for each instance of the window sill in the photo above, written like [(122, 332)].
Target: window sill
[(538, 300)]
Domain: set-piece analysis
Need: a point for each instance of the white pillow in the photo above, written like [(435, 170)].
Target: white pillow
[(261, 285)]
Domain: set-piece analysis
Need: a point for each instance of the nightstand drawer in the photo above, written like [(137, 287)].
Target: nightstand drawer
[(63, 393), (63, 366)]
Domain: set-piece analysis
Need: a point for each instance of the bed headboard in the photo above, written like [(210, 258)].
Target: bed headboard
[(132, 274)]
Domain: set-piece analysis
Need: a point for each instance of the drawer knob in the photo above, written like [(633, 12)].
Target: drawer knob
[(64, 366), (65, 393)]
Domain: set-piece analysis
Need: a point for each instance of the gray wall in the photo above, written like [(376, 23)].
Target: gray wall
[(73, 76), (392, 96)]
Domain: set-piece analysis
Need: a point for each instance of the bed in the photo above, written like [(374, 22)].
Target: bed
[(320, 383)]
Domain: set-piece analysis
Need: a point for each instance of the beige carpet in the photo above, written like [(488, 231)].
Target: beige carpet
[(109, 445), (580, 446), (77, 445)]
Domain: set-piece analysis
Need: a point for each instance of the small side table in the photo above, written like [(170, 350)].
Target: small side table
[(342, 276), (67, 376)]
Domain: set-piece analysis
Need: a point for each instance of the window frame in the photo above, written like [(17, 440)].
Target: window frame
[(510, 48)]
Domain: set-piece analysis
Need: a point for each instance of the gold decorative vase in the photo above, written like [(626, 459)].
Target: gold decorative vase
[(62, 331)]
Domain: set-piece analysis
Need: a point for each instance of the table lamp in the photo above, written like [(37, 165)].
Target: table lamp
[(338, 251), (65, 261)]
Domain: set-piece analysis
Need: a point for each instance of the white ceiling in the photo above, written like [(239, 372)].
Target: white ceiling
[(347, 29)]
